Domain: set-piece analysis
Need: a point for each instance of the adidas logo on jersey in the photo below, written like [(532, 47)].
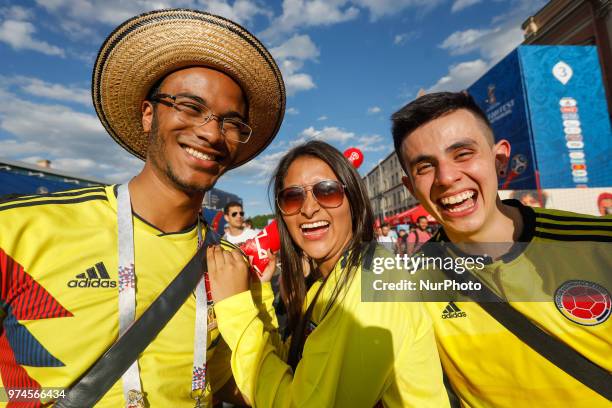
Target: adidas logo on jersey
[(452, 311), (94, 277)]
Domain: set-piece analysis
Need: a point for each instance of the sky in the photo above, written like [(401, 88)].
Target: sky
[(347, 66)]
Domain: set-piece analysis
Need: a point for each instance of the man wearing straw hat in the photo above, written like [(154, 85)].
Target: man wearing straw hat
[(193, 95)]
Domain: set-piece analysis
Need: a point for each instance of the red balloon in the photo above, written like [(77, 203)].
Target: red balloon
[(355, 156)]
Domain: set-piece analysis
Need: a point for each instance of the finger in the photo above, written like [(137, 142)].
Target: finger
[(227, 257), (237, 256), (210, 261), (218, 258)]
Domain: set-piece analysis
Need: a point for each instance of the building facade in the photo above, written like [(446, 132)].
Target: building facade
[(217, 199), (388, 195), (576, 22)]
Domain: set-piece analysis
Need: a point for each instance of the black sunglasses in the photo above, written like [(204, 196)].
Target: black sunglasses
[(328, 193), (235, 213)]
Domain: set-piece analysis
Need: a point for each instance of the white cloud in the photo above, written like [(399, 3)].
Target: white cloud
[(459, 5), (300, 14), (328, 134), (74, 141), (16, 13), (242, 11), (290, 56), (292, 111), (381, 8), (38, 87), (299, 47), (500, 44), (491, 44), (495, 42), (309, 13), (76, 16), (374, 110), (321, 118), (298, 82), (19, 35), (403, 38), (256, 171), (462, 42), (373, 143), (460, 76)]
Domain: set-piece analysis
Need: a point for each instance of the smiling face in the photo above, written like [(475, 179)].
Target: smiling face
[(322, 233), (186, 157), (452, 166), (422, 223)]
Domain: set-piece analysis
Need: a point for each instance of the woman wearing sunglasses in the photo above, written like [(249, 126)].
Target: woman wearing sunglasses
[(342, 352)]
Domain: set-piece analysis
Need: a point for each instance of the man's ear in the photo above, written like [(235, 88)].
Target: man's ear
[(226, 218), (147, 116), (408, 183), (502, 150)]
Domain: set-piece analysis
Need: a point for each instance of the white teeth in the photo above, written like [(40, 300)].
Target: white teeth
[(315, 224), (463, 207), (457, 198), (199, 155)]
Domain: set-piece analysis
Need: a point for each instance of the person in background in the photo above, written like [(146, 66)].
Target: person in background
[(419, 236), (237, 232), (401, 246), (530, 197), (604, 203), (343, 352), (377, 232), (386, 238)]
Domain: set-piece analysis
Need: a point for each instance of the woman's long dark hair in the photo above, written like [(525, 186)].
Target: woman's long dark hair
[(293, 285)]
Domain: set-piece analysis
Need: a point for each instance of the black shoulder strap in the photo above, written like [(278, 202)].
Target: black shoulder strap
[(107, 370), (560, 354)]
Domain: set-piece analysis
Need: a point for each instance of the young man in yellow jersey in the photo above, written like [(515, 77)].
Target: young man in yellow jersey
[(552, 267), (176, 88)]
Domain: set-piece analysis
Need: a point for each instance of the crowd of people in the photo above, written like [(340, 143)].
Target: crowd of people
[(405, 239), (122, 296)]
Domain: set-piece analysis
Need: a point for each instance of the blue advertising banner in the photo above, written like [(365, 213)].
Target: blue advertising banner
[(568, 115), (501, 96), (549, 102)]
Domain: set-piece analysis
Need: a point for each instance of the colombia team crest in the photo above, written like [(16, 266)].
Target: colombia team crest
[(583, 302)]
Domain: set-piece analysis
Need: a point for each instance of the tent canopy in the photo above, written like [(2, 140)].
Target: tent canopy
[(410, 216)]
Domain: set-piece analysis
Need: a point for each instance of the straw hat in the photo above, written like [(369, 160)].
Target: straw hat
[(149, 46)]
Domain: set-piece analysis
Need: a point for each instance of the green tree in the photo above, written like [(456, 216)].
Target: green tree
[(260, 221)]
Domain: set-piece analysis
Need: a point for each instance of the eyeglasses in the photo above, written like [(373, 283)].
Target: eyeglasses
[(328, 193), (235, 213), (193, 113)]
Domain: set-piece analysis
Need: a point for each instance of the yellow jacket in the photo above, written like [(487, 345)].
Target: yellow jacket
[(360, 353)]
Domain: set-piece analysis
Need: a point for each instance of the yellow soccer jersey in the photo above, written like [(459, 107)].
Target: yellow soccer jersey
[(359, 354), (59, 295), (487, 365)]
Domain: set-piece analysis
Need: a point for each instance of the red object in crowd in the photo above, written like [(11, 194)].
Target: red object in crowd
[(355, 156), (410, 215), (215, 222), (256, 248)]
